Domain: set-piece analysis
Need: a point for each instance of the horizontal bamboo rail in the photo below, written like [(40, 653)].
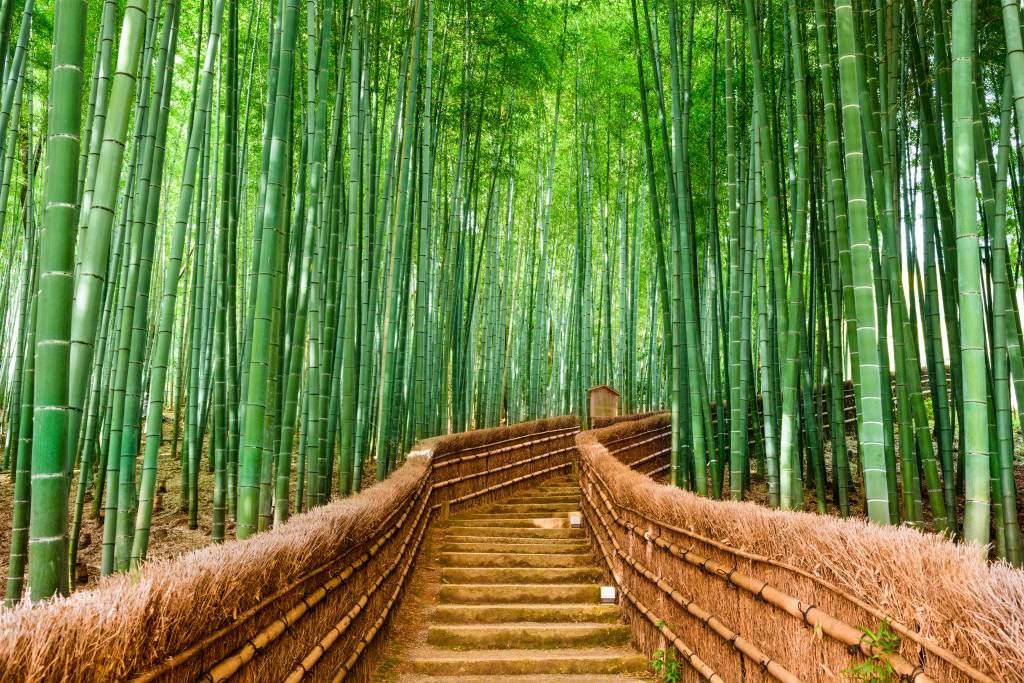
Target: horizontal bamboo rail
[(663, 453), (762, 590), (331, 637), (371, 576), (733, 638), (639, 452), (230, 665), (272, 630)]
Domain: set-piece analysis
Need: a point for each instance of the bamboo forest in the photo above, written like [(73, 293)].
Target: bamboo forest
[(360, 339)]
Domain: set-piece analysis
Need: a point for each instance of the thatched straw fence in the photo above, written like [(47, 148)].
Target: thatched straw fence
[(744, 593), (311, 599)]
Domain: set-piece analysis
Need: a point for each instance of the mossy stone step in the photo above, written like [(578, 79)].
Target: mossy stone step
[(479, 528), (519, 593), (520, 575), (498, 536), (470, 544), (535, 507), (496, 614), (514, 559), (525, 516), (530, 521), (533, 678), (593, 661), (550, 498), (527, 635)]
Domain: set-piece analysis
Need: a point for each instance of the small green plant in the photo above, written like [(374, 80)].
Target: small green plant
[(877, 668), (665, 664)]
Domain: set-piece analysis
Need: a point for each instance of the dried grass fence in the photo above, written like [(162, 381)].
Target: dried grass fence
[(306, 601), (745, 593)]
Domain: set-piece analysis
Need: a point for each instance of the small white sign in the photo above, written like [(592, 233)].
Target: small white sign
[(576, 520), (608, 594)]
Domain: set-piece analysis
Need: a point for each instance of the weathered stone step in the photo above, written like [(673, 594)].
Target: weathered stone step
[(535, 507), (530, 521), (546, 498), (514, 559), (580, 662), (572, 494), (520, 575), (479, 528), (534, 678), (496, 593), (526, 517), (498, 536), (473, 544), (527, 635), (497, 614)]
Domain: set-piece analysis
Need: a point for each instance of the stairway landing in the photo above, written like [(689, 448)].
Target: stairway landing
[(517, 599)]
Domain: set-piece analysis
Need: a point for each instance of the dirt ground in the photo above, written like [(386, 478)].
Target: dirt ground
[(416, 611), (169, 536)]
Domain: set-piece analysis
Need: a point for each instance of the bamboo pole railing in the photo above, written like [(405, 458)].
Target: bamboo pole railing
[(653, 562), (311, 600)]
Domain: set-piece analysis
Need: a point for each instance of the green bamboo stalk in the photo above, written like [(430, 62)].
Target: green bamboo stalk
[(975, 431), (47, 545)]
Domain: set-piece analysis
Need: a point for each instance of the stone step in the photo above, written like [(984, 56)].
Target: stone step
[(534, 678), (544, 537), (579, 662), (535, 507), (496, 614), (547, 498), (504, 575), (519, 600), (472, 544), (565, 496), (520, 593), (528, 635), (480, 528), (530, 521), (526, 518), (514, 559), (523, 515)]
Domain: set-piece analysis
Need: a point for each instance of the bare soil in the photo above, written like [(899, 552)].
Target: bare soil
[(409, 624), (169, 535)]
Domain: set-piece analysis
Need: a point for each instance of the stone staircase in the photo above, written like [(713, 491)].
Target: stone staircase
[(519, 600)]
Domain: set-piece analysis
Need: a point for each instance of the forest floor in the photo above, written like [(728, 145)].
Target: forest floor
[(169, 532)]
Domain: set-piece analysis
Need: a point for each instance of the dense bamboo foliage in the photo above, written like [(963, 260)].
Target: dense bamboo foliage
[(259, 248)]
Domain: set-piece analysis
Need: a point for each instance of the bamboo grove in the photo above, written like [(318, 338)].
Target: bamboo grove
[(291, 243), (262, 247), (865, 234)]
